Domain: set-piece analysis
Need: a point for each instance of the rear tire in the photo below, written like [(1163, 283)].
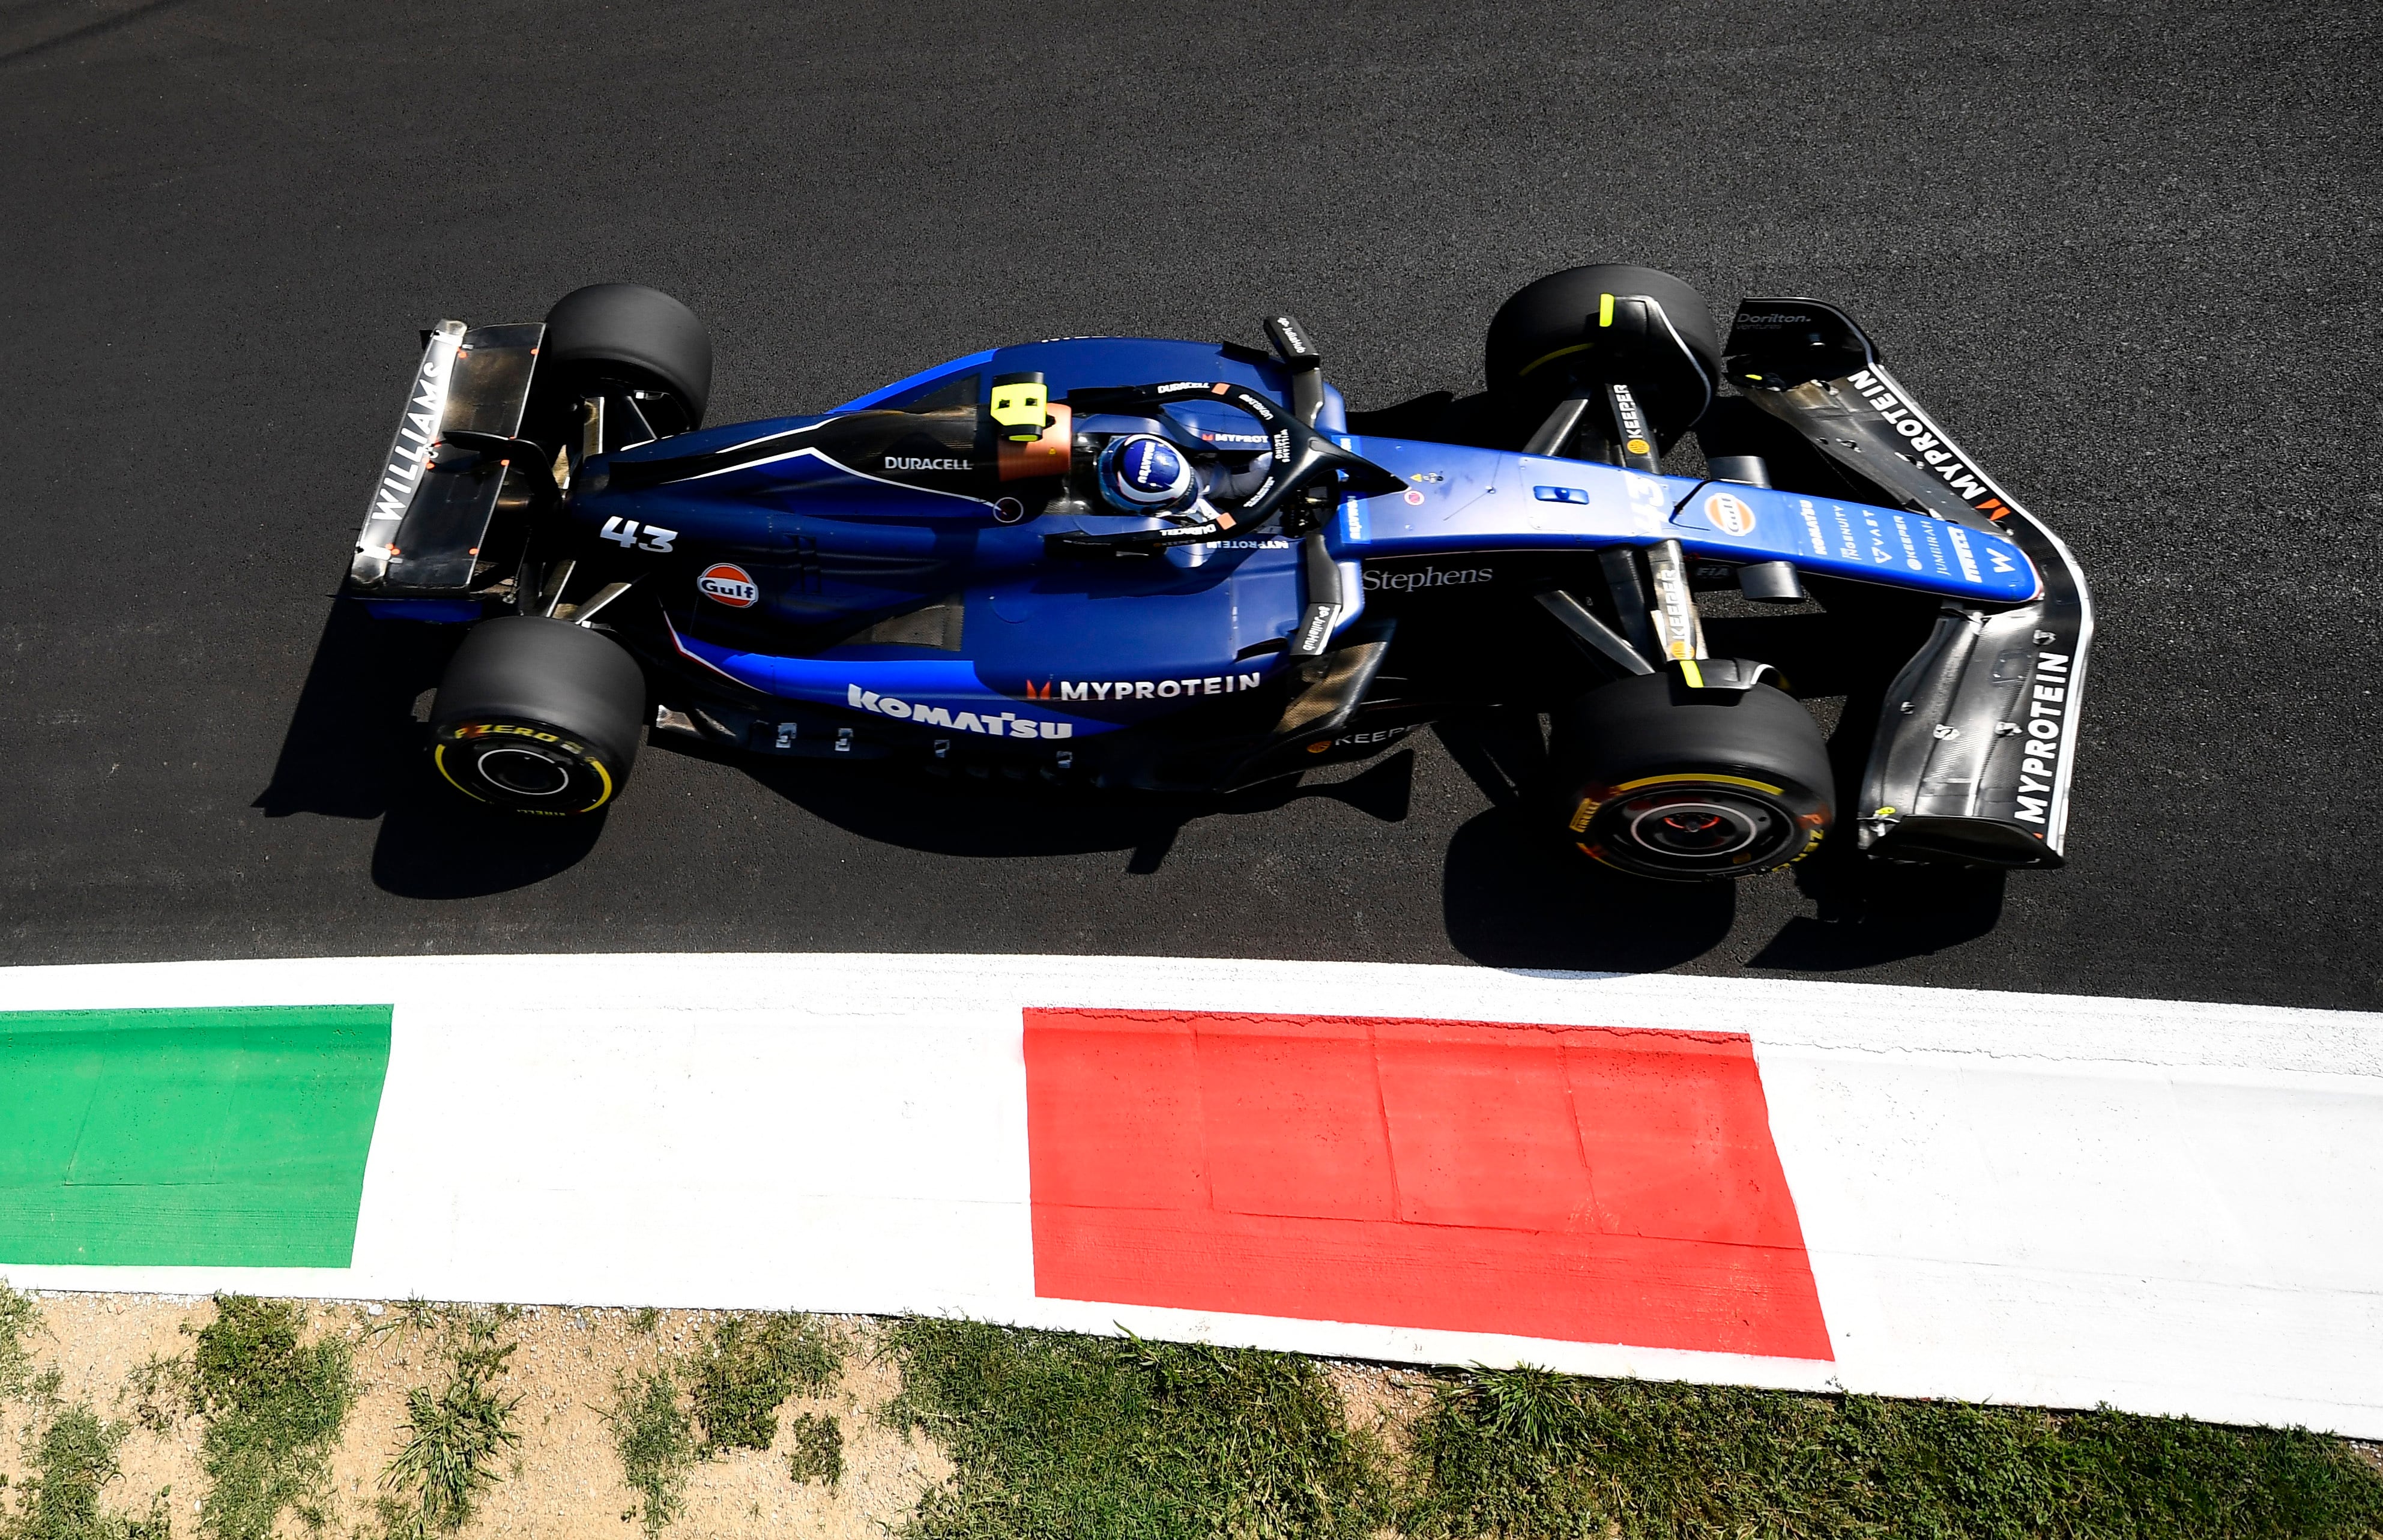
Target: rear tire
[(538, 716), (631, 337), (1662, 780), (1543, 343)]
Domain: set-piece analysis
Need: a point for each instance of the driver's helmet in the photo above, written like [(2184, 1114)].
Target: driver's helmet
[(1140, 473)]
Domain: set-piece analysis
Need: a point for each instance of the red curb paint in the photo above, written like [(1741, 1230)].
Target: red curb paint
[(1583, 1184)]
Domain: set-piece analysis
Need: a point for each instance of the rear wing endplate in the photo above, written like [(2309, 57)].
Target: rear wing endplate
[(1977, 745), (427, 525)]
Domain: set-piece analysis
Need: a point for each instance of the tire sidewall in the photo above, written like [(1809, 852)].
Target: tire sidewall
[(1601, 818), (627, 335), (1549, 318), (534, 689), (1651, 740), (492, 758)]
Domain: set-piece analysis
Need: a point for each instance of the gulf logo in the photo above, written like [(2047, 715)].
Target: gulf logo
[(727, 583), (1730, 513)]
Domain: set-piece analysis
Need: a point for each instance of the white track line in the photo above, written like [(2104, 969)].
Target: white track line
[(2034, 1199)]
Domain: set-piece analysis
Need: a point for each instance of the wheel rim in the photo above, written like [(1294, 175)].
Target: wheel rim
[(524, 772), (1695, 827)]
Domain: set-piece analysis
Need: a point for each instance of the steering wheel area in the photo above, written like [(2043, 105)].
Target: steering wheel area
[(1301, 458)]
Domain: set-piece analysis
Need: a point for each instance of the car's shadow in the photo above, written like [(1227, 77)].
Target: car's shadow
[(1514, 893), (992, 815), (355, 749), (352, 739), (435, 843), (1514, 896), (1875, 912)]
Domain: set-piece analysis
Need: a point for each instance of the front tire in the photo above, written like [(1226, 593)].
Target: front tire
[(1662, 780), (1546, 343), (538, 716)]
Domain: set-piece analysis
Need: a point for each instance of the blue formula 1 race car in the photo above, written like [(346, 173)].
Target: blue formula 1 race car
[(1186, 566)]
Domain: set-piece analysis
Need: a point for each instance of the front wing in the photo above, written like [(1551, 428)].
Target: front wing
[(1977, 743)]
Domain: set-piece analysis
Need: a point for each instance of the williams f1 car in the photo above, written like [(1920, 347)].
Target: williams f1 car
[(1188, 566)]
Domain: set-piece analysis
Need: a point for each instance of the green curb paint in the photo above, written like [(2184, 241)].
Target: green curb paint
[(187, 1137)]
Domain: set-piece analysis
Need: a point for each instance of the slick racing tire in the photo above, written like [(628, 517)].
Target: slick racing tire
[(1544, 344), (628, 336), (1662, 780), (538, 716)]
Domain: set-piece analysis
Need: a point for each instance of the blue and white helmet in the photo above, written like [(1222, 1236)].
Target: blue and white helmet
[(1140, 473)]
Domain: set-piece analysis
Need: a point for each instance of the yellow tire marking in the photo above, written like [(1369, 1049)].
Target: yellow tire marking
[(1549, 358), (598, 765), (1726, 780), (438, 758), (1605, 310)]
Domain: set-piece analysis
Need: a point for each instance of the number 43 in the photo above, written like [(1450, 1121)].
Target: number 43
[(632, 536)]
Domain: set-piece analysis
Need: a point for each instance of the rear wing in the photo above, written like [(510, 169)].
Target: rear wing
[(1977, 745), (441, 510)]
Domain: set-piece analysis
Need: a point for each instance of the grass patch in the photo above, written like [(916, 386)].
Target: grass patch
[(453, 1435), (273, 1408), (413, 1313), (1055, 1434), (1524, 1452), (731, 1389), (815, 1448), (71, 1459), (748, 1367), (656, 1442), (70, 1450), (20, 1317)]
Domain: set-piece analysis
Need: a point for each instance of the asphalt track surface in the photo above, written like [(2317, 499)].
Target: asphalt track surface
[(2123, 251)]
